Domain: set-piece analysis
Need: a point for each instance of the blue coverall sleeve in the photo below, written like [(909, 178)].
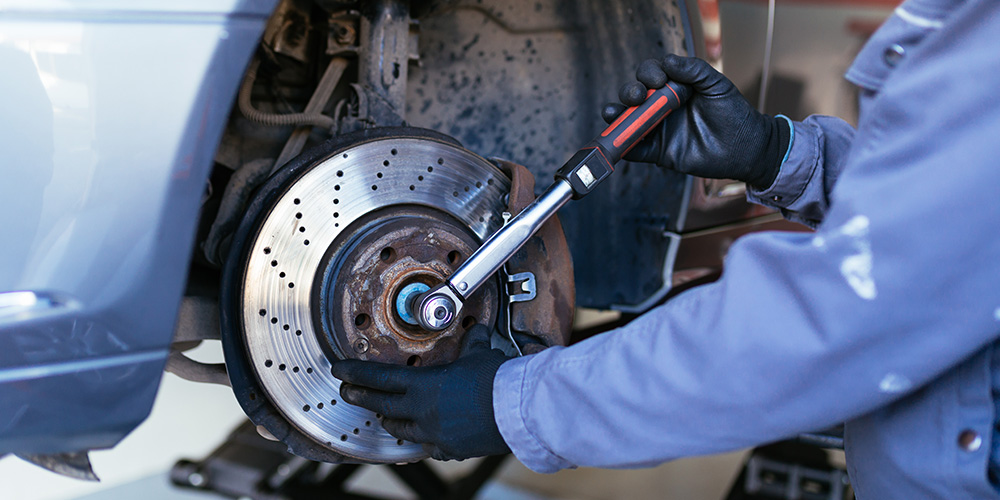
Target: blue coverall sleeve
[(804, 331)]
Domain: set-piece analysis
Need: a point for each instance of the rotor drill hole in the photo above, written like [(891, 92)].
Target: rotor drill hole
[(399, 442), (295, 369), (298, 215), (394, 152), (413, 360), (343, 437), (296, 201), (420, 178), (280, 275), (340, 173), (333, 402), (362, 321), (412, 187), (384, 164), (388, 254), (291, 285), (305, 408), (281, 367), (379, 175), (285, 327), (440, 161), (374, 187), (274, 263), (454, 257), (336, 214), (336, 201), (337, 187), (345, 155), (368, 423), (302, 229), (430, 169), (319, 406), (468, 322), (268, 363), (274, 321), (267, 250), (298, 332), (357, 431), (306, 242), (479, 184), (263, 312), (309, 371)]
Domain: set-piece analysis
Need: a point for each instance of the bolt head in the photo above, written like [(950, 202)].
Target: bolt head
[(361, 346), (437, 312)]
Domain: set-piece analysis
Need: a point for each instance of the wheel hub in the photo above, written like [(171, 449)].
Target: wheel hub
[(392, 255)]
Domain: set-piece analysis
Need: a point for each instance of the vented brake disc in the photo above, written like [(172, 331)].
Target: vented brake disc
[(317, 266)]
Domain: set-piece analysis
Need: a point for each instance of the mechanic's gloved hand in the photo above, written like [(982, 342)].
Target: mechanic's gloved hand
[(717, 135), (448, 408)]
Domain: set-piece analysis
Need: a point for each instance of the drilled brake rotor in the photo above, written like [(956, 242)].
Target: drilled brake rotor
[(331, 258)]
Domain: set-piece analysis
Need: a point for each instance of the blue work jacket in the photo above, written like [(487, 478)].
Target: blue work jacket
[(887, 317)]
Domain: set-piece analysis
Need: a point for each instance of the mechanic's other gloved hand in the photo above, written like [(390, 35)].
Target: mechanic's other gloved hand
[(447, 408), (717, 135)]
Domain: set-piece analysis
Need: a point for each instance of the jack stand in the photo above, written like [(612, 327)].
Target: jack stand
[(247, 466)]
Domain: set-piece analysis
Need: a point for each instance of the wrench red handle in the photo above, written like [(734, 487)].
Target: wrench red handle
[(595, 161), (636, 122)]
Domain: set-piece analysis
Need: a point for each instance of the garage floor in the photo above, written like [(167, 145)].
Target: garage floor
[(189, 420)]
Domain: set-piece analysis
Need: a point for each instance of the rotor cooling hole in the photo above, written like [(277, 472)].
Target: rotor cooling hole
[(413, 360), (454, 257)]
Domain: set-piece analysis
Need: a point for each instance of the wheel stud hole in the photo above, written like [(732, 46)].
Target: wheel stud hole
[(454, 257), (388, 254), (362, 321), (468, 322)]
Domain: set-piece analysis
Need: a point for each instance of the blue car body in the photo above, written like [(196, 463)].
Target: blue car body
[(110, 114)]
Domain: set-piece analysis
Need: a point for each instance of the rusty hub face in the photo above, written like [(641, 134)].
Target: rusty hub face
[(384, 254)]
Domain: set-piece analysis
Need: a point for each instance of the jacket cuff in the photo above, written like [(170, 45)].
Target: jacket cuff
[(510, 387), (795, 174), (794, 171)]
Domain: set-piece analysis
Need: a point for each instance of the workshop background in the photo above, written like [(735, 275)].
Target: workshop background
[(814, 43)]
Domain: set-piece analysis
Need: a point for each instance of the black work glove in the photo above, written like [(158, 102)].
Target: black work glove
[(447, 408), (718, 134)]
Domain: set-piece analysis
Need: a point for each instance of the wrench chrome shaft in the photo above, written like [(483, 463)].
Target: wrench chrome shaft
[(439, 306)]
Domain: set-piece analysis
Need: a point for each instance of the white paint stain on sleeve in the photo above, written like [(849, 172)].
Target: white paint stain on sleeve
[(857, 267), (894, 383)]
